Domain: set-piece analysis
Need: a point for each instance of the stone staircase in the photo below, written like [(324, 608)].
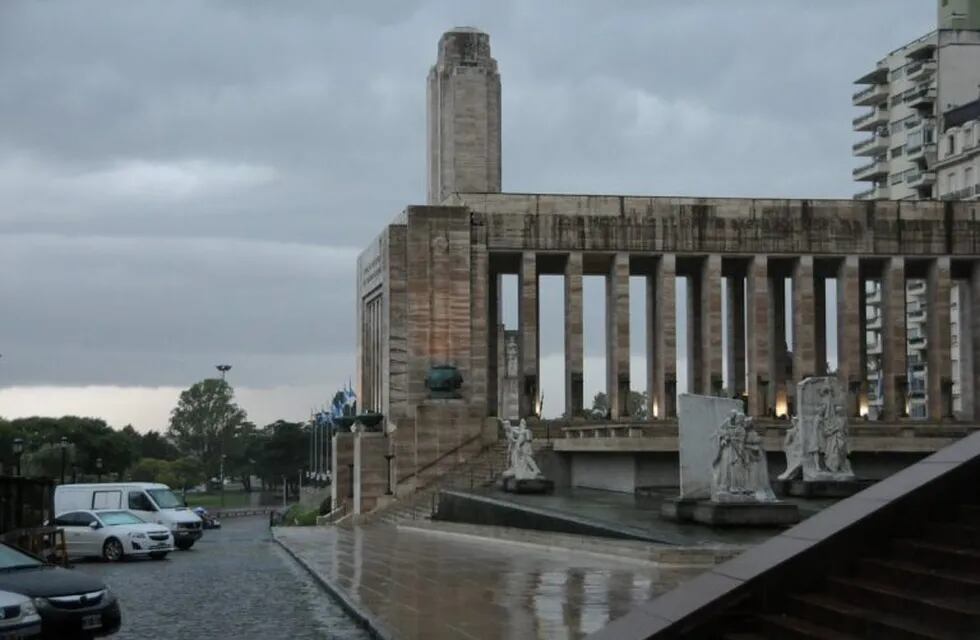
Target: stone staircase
[(920, 587), (479, 471)]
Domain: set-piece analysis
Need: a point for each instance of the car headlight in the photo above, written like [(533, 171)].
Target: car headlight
[(137, 534), (28, 609), (39, 603)]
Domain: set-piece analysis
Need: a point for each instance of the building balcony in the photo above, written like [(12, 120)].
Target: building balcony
[(917, 179), (877, 192), (878, 76), (920, 70), (966, 193), (871, 171), (872, 120), (920, 97), (918, 150), (875, 94), (876, 145)]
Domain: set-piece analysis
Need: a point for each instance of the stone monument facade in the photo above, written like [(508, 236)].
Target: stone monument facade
[(430, 287)]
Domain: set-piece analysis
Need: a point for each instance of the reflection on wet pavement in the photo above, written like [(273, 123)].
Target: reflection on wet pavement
[(422, 585)]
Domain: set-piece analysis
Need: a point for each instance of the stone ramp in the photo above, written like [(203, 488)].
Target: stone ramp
[(416, 585)]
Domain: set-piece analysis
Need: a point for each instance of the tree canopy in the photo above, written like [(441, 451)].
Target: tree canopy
[(205, 422)]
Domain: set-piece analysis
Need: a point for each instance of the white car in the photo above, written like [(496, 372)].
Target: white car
[(113, 535), (18, 617)]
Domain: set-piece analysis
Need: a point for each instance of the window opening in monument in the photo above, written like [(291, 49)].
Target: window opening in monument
[(508, 350), (639, 349), (683, 340), (783, 360), (916, 397), (734, 336), (830, 323), (594, 344), (551, 340), (872, 404)]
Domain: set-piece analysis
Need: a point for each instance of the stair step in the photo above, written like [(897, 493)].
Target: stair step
[(845, 617), (944, 611), (958, 534), (918, 577), (789, 627), (938, 555), (969, 513)]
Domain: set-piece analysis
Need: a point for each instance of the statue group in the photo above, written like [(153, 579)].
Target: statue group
[(816, 445), (739, 472), (520, 453)]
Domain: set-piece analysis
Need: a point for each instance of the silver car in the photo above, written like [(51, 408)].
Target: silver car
[(18, 617)]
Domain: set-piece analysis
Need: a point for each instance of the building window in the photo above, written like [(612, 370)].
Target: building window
[(951, 144), (897, 151), (967, 177), (896, 178)]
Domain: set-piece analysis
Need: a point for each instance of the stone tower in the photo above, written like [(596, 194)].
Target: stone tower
[(463, 116)]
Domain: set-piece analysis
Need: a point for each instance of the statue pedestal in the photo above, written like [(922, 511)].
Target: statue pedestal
[(822, 488), (731, 514), (511, 484)]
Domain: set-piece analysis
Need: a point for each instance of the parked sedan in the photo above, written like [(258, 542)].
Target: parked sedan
[(113, 535), (18, 617), (71, 605)]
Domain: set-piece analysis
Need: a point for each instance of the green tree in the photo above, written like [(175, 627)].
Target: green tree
[(149, 470), (637, 405), (205, 421), (600, 405)]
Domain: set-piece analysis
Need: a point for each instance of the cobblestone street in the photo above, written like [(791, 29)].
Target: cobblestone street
[(235, 583)]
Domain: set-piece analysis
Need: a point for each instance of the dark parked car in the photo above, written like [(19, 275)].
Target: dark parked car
[(71, 605)]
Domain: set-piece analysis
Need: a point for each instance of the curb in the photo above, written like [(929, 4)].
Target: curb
[(371, 624)]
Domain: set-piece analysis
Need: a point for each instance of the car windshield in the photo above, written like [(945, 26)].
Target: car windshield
[(110, 518), (165, 498), (11, 558)]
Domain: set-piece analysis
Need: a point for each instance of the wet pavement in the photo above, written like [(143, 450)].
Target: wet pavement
[(425, 585), (639, 514), (236, 582)]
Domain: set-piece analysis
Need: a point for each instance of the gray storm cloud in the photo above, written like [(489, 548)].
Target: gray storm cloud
[(184, 182)]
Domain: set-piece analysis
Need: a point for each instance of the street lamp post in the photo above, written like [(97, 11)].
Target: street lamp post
[(64, 457), (223, 368), (98, 468), (18, 452), (221, 475)]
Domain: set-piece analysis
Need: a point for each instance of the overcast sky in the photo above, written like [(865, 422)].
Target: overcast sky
[(185, 183)]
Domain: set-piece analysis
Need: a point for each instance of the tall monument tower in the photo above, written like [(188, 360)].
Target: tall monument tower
[(463, 116)]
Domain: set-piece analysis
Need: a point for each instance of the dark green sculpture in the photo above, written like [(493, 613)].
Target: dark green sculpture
[(443, 381)]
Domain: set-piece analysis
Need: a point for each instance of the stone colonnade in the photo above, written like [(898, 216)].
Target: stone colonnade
[(760, 367)]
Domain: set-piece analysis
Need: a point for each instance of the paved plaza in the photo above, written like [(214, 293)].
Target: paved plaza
[(424, 585)]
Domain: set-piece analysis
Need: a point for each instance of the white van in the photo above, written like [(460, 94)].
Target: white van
[(151, 501)]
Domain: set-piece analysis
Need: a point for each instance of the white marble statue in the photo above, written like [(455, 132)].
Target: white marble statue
[(818, 450), (793, 448), (520, 453), (739, 472)]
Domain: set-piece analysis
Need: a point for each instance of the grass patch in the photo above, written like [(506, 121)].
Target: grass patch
[(233, 500), (300, 516)]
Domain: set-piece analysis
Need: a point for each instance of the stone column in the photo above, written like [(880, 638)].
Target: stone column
[(820, 325), (662, 338), (894, 342), (964, 310), (804, 353), (970, 338), (710, 321), (777, 339), (574, 366), (527, 312), (939, 370), (735, 349), (758, 338), (618, 335), (850, 336)]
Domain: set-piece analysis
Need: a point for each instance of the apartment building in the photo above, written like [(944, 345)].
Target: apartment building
[(920, 139)]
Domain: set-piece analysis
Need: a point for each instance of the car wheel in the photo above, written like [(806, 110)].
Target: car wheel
[(158, 555), (112, 550), (184, 545)]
